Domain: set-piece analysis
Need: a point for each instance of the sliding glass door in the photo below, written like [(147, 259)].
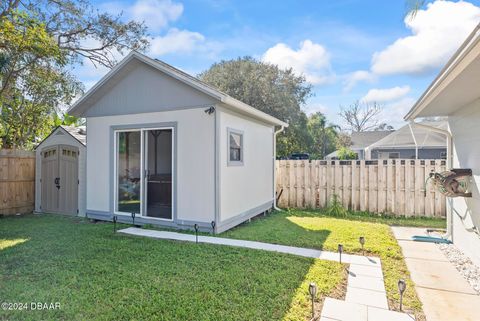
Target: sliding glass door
[(158, 167), (144, 172), (129, 169)]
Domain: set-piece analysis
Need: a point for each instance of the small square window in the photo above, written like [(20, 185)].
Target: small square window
[(235, 147)]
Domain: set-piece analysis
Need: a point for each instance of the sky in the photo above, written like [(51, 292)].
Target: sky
[(348, 50)]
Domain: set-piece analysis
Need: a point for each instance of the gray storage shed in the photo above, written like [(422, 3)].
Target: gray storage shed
[(60, 172)]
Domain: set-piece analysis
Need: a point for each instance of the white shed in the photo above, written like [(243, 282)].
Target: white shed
[(170, 150), (60, 172)]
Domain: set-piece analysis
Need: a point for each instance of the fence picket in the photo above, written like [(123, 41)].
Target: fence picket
[(387, 186)]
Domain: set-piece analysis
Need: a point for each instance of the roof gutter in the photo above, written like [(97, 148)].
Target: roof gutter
[(447, 133), (282, 128), (449, 66)]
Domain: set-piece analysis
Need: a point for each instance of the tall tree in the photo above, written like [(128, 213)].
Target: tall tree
[(270, 89), (361, 116), (323, 135), (40, 40)]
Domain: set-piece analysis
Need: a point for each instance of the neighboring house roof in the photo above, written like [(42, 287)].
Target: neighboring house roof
[(332, 155), (455, 86), (79, 133), (87, 100), (421, 137), (360, 140)]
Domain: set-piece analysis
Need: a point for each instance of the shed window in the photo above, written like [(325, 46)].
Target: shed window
[(235, 147)]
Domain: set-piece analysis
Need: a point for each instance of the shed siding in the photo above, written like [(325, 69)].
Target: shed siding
[(249, 186), (195, 161), (464, 126), (144, 89), (65, 139)]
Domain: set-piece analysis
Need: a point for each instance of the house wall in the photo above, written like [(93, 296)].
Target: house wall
[(195, 190), (409, 153), (465, 129), (245, 190), (65, 139)]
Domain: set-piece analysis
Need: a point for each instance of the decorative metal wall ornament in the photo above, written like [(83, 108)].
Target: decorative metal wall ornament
[(452, 183)]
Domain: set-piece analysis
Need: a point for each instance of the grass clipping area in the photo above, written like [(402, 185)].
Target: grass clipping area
[(97, 275), (313, 230)]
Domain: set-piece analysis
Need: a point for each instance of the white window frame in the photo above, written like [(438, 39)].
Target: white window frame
[(242, 138), (143, 198)]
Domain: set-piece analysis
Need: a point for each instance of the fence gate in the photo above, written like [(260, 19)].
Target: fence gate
[(59, 179)]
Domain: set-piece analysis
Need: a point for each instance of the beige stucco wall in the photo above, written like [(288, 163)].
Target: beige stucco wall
[(195, 160), (246, 187), (465, 129)]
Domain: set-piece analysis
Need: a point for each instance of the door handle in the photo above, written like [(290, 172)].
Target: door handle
[(57, 182)]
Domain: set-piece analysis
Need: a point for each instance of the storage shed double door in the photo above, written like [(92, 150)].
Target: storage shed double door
[(60, 179)]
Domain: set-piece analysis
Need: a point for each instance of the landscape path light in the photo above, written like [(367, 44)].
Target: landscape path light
[(340, 250), (402, 286), (312, 289), (362, 243)]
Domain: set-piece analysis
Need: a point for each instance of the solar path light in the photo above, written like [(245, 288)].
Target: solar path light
[(196, 232), (312, 289), (340, 250), (361, 239), (402, 286)]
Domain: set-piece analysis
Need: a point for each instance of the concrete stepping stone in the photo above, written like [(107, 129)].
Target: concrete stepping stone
[(366, 297), (362, 270), (367, 283)]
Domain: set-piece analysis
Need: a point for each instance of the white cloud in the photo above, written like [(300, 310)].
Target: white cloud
[(437, 32), (311, 60), (156, 14), (175, 41), (393, 112), (356, 77), (385, 95)]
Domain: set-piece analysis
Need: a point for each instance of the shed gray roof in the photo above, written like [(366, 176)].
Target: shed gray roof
[(360, 140), (79, 133)]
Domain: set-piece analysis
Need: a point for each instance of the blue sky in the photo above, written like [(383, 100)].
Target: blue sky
[(348, 49)]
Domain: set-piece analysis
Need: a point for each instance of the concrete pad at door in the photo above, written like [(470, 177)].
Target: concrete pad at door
[(406, 233), (448, 306), (344, 311), (422, 250), (366, 297), (437, 275)]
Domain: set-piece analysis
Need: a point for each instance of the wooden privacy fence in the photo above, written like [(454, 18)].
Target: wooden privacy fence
[(393, 186), (17, 181)]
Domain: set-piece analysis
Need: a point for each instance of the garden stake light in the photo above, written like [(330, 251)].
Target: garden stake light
[(114, 224), (402, 286), (312, 289), (362, 242), (340, 250), (196, 232), (133, 218), (213, 227)]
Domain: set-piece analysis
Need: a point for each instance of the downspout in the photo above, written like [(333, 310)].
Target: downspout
[(414, 140), (447, 133), (282, 128)]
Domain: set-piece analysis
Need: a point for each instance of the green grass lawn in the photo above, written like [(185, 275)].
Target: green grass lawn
[(97, 275), (311, 229)]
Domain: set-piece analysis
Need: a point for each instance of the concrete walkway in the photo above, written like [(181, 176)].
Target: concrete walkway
[(445, 294), (365, 300)]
